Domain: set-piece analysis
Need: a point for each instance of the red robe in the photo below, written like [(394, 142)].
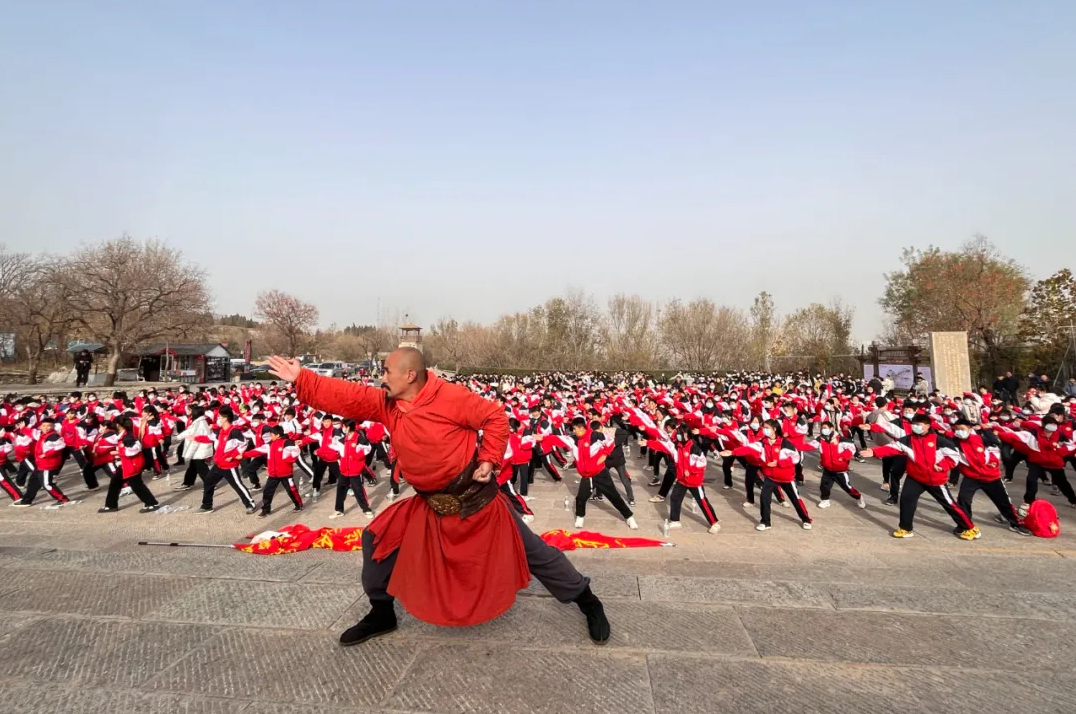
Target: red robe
[(448, 571)]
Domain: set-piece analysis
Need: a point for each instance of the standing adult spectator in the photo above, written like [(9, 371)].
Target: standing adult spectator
[(83, 362), (921, 387), (1070, 387), (1012, 385)]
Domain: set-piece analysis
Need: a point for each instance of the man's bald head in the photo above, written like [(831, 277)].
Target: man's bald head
[(405, 373)]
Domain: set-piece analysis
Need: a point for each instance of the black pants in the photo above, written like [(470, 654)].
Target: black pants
[(841, 479), (333, 467), (994, 489), (726, 468), (541, 461), (521, 476), (515, 500), (305, 468), (768, 488), (669, 478), (85, 465), (547, 564), (697, 492), (82, 377), (1034, 471), (271, 484), (26, 467), (216, 473), (1011, 458), (752, 478), (603, 484), (357, 487), (196, 468), (909, 501), (250, 469), (625, 479), (180, 427), (7, 485), (116, 482), (896, 472), (46, 480)]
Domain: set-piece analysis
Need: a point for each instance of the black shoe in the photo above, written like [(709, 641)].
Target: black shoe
[(149, 509), (891, 502), (263, 514), (296, 509), (654, 482), (183, 487), (597, 622), (381, 620), (1017, 528), (181, 462), (252, 510), (256, 487), (108, 510), (205, 509)]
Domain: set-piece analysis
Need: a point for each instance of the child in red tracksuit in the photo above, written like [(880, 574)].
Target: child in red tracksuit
[(352, 468), (128, 472), (1046, 449), (504, 480), (48, 458), (980, 465), (778, 457), (522, 445), (330, 444), (280, 455), (930, 456), (835, 453), (690, 458), (6, 469), (590, 450)]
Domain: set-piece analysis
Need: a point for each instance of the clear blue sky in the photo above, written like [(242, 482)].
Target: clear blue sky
[(475, 158)]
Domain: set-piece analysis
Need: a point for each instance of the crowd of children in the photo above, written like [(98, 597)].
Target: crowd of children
[(764, 423)]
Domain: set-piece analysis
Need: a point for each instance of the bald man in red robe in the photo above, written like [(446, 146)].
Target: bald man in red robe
[(455, 554)]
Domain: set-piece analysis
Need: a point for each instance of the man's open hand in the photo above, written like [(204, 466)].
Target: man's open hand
[(286, 369)]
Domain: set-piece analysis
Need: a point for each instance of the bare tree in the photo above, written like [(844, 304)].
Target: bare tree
[(446, 339), (630, 336), (763, 329), (289, 316), (34, 304), (376, 340), (125, 292), (702, 336)]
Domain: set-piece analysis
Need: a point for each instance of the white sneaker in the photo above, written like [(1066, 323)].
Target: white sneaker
[(806, 526), (862, 502), (675, 524), (884, 486), (762, 527), (337, 514), (714, 528), (748, 504), (632, 524), (824, 503), (578, 522), (368, 514), (1022, 511), (726, 488), (528, 499), (657, 499), (786, 503), (527, 518), (391, 496)]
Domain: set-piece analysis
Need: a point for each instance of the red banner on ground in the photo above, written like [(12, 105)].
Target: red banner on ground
[(292, 539)]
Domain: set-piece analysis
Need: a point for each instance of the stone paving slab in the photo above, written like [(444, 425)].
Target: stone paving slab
[(93, 593), (290, 667), (734, 592), (38, 699), (964, 601), (260, 604), (905, 639), (745, 687), (649, 626), (341, 570), (456, 679), (97, 652), (609, 585)]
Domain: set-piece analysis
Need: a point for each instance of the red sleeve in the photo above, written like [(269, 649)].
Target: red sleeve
[(477, 413), (887, 450), (348, 399)]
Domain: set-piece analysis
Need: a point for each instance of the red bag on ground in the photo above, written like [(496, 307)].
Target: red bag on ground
[(1041, 519)]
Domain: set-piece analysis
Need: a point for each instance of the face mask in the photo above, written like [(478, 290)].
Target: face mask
[(909, 414), (1004, 418), (827, 432), (754, 426), (1050, 428), (768, 433), (919, 429), (962, 434)]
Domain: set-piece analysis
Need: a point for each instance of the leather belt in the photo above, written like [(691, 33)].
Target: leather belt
[(463, 496)]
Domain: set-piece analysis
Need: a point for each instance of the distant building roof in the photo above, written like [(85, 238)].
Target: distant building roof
[(207, 349), (410, 326)]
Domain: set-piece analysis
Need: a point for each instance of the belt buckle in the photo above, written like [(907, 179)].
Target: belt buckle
[(443, 504)]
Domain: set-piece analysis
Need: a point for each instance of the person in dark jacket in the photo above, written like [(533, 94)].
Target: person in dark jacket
[(83, 362), (616, 461)]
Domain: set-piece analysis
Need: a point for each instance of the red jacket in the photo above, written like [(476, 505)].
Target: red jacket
[(522, 448), (835, 454), (353, 460), (279, 457), (104, 448), (330, 443), (588, 452), (980, 456), (782, 451), (930, 457), (49, 452), (690, 464), (69, 432), (229, 448), (130, 453), (1041, 447)]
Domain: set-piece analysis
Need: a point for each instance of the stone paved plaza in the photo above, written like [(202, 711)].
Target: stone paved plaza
[(840, 619)]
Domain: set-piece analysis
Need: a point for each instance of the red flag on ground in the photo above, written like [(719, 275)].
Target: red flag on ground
[(292, 539), (563, 540)]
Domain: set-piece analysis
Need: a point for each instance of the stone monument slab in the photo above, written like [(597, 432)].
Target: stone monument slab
[(950, 362)]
